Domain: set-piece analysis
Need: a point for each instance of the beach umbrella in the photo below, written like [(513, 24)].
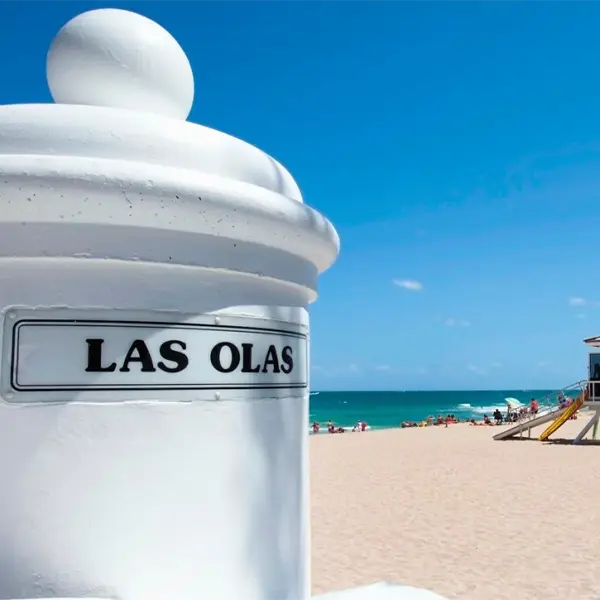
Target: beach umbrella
[(514, 404)]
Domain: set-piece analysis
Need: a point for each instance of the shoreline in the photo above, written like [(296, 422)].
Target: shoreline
[(584, 413), (390, 409), (493, 428)]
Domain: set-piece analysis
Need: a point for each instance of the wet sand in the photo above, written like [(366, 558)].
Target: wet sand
[(451, 510)]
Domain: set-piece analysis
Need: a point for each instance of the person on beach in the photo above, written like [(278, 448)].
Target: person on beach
[(315, 427), (360, 426), (533, 407), (498, 417), (331, 428), (486, 421)]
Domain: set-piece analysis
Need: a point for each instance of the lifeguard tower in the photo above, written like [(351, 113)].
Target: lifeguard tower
[(586, 395)]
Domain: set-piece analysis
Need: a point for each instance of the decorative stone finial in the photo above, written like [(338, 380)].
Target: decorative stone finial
[(119, 59)]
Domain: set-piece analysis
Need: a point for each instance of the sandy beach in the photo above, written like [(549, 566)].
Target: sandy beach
[(452, 510)]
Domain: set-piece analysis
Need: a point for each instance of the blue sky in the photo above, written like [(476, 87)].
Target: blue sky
[(455, 146)]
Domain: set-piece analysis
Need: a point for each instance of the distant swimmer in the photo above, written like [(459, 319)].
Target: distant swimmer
[(316, 427)]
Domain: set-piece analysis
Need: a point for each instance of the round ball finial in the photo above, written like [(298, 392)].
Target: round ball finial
[(117, 58)]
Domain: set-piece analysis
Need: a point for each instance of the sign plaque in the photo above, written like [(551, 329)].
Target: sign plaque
[(53, 355)]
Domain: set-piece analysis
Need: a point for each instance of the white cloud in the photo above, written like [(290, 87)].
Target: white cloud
[(353, 368), (475, 369), (409, 284), (383, 368), (580, 316), (577, 301), (497, 365), (422, 371), (453, 322), (543, 363)]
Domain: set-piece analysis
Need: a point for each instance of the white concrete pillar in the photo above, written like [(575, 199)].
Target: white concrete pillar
[(154, 280)]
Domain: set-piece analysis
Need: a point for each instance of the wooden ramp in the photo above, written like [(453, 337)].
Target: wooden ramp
[(527, 425)]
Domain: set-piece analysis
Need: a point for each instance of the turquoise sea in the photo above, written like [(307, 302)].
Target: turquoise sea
[(389, 409)]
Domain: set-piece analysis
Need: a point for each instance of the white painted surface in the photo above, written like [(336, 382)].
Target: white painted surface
[(119, 59), (152, 500), (122, 207), (65, 355), (381, 591), (111, 202)]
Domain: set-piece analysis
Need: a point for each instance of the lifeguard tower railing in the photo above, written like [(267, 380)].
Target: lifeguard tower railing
[(593, 369), (594, 391), (551, 406), (594, 377), (551, 402), (553, 399)]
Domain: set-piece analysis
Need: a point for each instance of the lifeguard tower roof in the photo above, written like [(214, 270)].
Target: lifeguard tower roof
[(593, 341)]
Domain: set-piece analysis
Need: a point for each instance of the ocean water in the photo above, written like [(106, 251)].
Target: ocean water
[(388, 409)]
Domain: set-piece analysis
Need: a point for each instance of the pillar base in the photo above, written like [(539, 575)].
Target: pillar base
[(382, 590)]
